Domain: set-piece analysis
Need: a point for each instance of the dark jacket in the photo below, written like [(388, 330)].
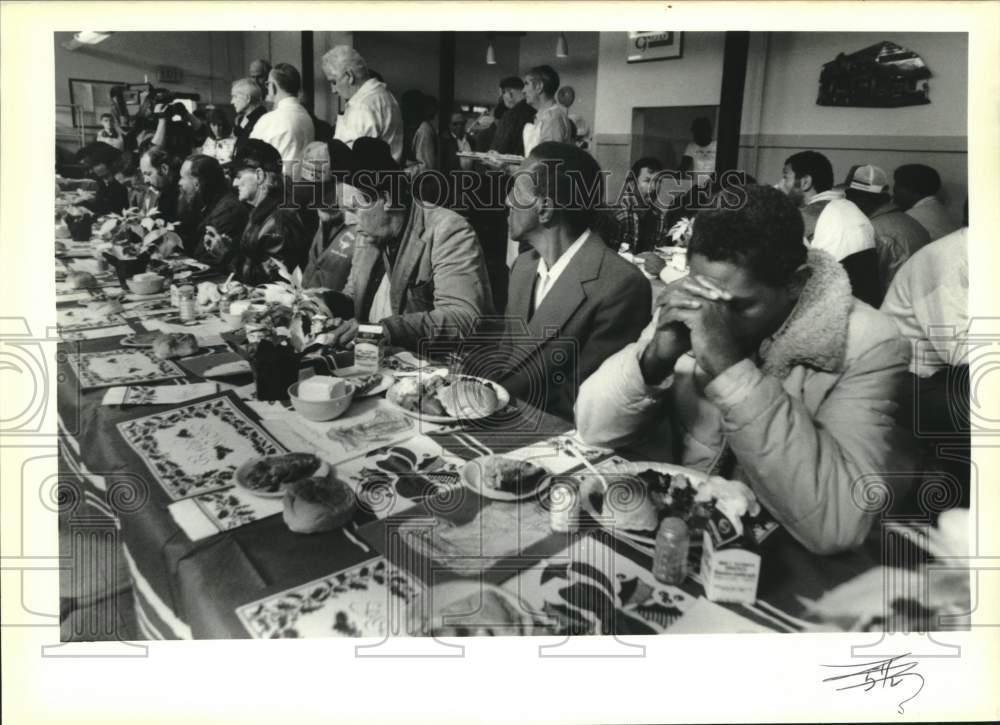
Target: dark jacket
[(242, 133), (111, 198), (509, 136), (330, 254), (270, 232), (599, 304), (439, 286), (227, 215), (167, 201)]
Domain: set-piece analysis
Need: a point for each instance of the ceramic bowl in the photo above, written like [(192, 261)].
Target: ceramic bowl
[(321, 410)]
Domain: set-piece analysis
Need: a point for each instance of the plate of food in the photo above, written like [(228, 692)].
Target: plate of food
[(504, 479), (444, 397), (140, 339), (639, 495), (366, 384), (267, 477)]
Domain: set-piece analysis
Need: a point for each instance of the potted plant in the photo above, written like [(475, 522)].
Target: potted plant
[(289, 322), (80, 222), (137, 237)]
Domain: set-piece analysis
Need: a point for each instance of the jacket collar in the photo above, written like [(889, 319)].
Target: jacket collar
[(815, 333)]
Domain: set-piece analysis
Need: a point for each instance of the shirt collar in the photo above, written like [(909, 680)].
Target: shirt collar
[(828, 195), (564, 260), (367, 88), (289, 101)]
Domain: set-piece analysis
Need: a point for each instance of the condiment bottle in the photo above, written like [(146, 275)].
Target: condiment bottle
[(670, 558), (185, 301)]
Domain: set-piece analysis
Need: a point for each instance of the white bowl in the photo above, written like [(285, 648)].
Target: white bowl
[(321, 410)]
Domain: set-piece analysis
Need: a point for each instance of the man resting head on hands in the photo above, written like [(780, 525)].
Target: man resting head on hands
[(768, 370)]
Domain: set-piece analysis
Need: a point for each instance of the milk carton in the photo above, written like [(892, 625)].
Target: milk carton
[(730, 562)]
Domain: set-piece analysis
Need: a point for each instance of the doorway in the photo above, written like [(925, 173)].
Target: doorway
[(663, 132)]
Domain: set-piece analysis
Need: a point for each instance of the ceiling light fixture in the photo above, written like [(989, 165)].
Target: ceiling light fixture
[(562, 48), (491, 55)]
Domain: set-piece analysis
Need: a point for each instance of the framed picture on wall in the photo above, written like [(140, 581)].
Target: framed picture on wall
[(91, 98), (645, 45)]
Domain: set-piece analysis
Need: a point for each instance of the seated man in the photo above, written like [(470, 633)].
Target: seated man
[(929, 302), (209, 202), (325, 167), (161, 170), (832, 223), (897, 236), (572, 301), (914, 189), (111, 197), (417, 269), (768, 371), (642, 224), (272, 231)]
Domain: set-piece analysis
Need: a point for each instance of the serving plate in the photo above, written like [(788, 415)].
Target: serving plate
[(470, 477), (592, 489), (241, 474), (503, 400)]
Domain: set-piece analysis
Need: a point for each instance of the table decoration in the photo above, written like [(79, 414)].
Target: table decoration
[(360, 601), (118, 367), (197, 448), (80, 222)]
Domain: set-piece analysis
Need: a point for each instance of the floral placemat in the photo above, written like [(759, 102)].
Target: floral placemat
[(592, 589), (95, 333), (120, 367), (69, 319), (557, 454), (356, 602), (210, 513), (197, 448), (157, 394)]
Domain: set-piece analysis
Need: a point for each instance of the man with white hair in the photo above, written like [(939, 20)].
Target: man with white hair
[(248, 101), (370, 108)]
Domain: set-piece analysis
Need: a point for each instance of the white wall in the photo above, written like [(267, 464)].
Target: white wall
[(476, 82), (695, 79), (781, 116), (209, 60)]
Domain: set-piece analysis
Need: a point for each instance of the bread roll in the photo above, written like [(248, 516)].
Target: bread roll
[(468, 399), (174, 344), (319, 503), (81, 280), (108, 308)]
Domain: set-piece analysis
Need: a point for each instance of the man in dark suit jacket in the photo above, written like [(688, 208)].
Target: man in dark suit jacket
[(248, 101), (572, 301)]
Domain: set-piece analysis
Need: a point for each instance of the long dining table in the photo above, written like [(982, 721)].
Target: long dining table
[(153, 446)]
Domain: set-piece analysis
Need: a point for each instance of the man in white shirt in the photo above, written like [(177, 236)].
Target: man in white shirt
[(551, 123), (572, 301), (914, 190), (832, 223), (288, 127), (699, 154), (371, 109)]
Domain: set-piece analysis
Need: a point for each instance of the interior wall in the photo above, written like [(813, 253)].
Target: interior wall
[(664, 132), (404, 59), (781, 117), (209, 61), (694, 79), (476, 82)]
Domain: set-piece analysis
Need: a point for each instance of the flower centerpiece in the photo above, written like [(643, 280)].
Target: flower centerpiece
[(285, 322), (680, 233), (137, 237), (80, 222)]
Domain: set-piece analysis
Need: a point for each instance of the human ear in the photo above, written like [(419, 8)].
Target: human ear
[(805, 182), (545, 210)]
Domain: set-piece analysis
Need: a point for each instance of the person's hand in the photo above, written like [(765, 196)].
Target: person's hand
[(702, 307), (671, 339), (216, 244), (343, 334)]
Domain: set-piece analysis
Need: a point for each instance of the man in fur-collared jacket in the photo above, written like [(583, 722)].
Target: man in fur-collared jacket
[(766, 370)]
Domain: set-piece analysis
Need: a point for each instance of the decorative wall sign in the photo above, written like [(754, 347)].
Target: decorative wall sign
[(884, 75), (645, 45)]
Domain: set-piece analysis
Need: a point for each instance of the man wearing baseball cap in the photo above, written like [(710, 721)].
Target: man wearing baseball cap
[(273, 231), (897, 236)]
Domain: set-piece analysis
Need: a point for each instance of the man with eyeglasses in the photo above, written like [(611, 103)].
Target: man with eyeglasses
[(371, 110)]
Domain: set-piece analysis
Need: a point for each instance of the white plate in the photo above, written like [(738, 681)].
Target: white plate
[(469, 475), (503, 399), (590, 484), (352, 372)]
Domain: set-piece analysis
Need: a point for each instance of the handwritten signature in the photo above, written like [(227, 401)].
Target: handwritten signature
[(871, 674)]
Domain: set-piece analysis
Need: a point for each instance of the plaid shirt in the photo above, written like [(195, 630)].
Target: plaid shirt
[(641, 226)]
